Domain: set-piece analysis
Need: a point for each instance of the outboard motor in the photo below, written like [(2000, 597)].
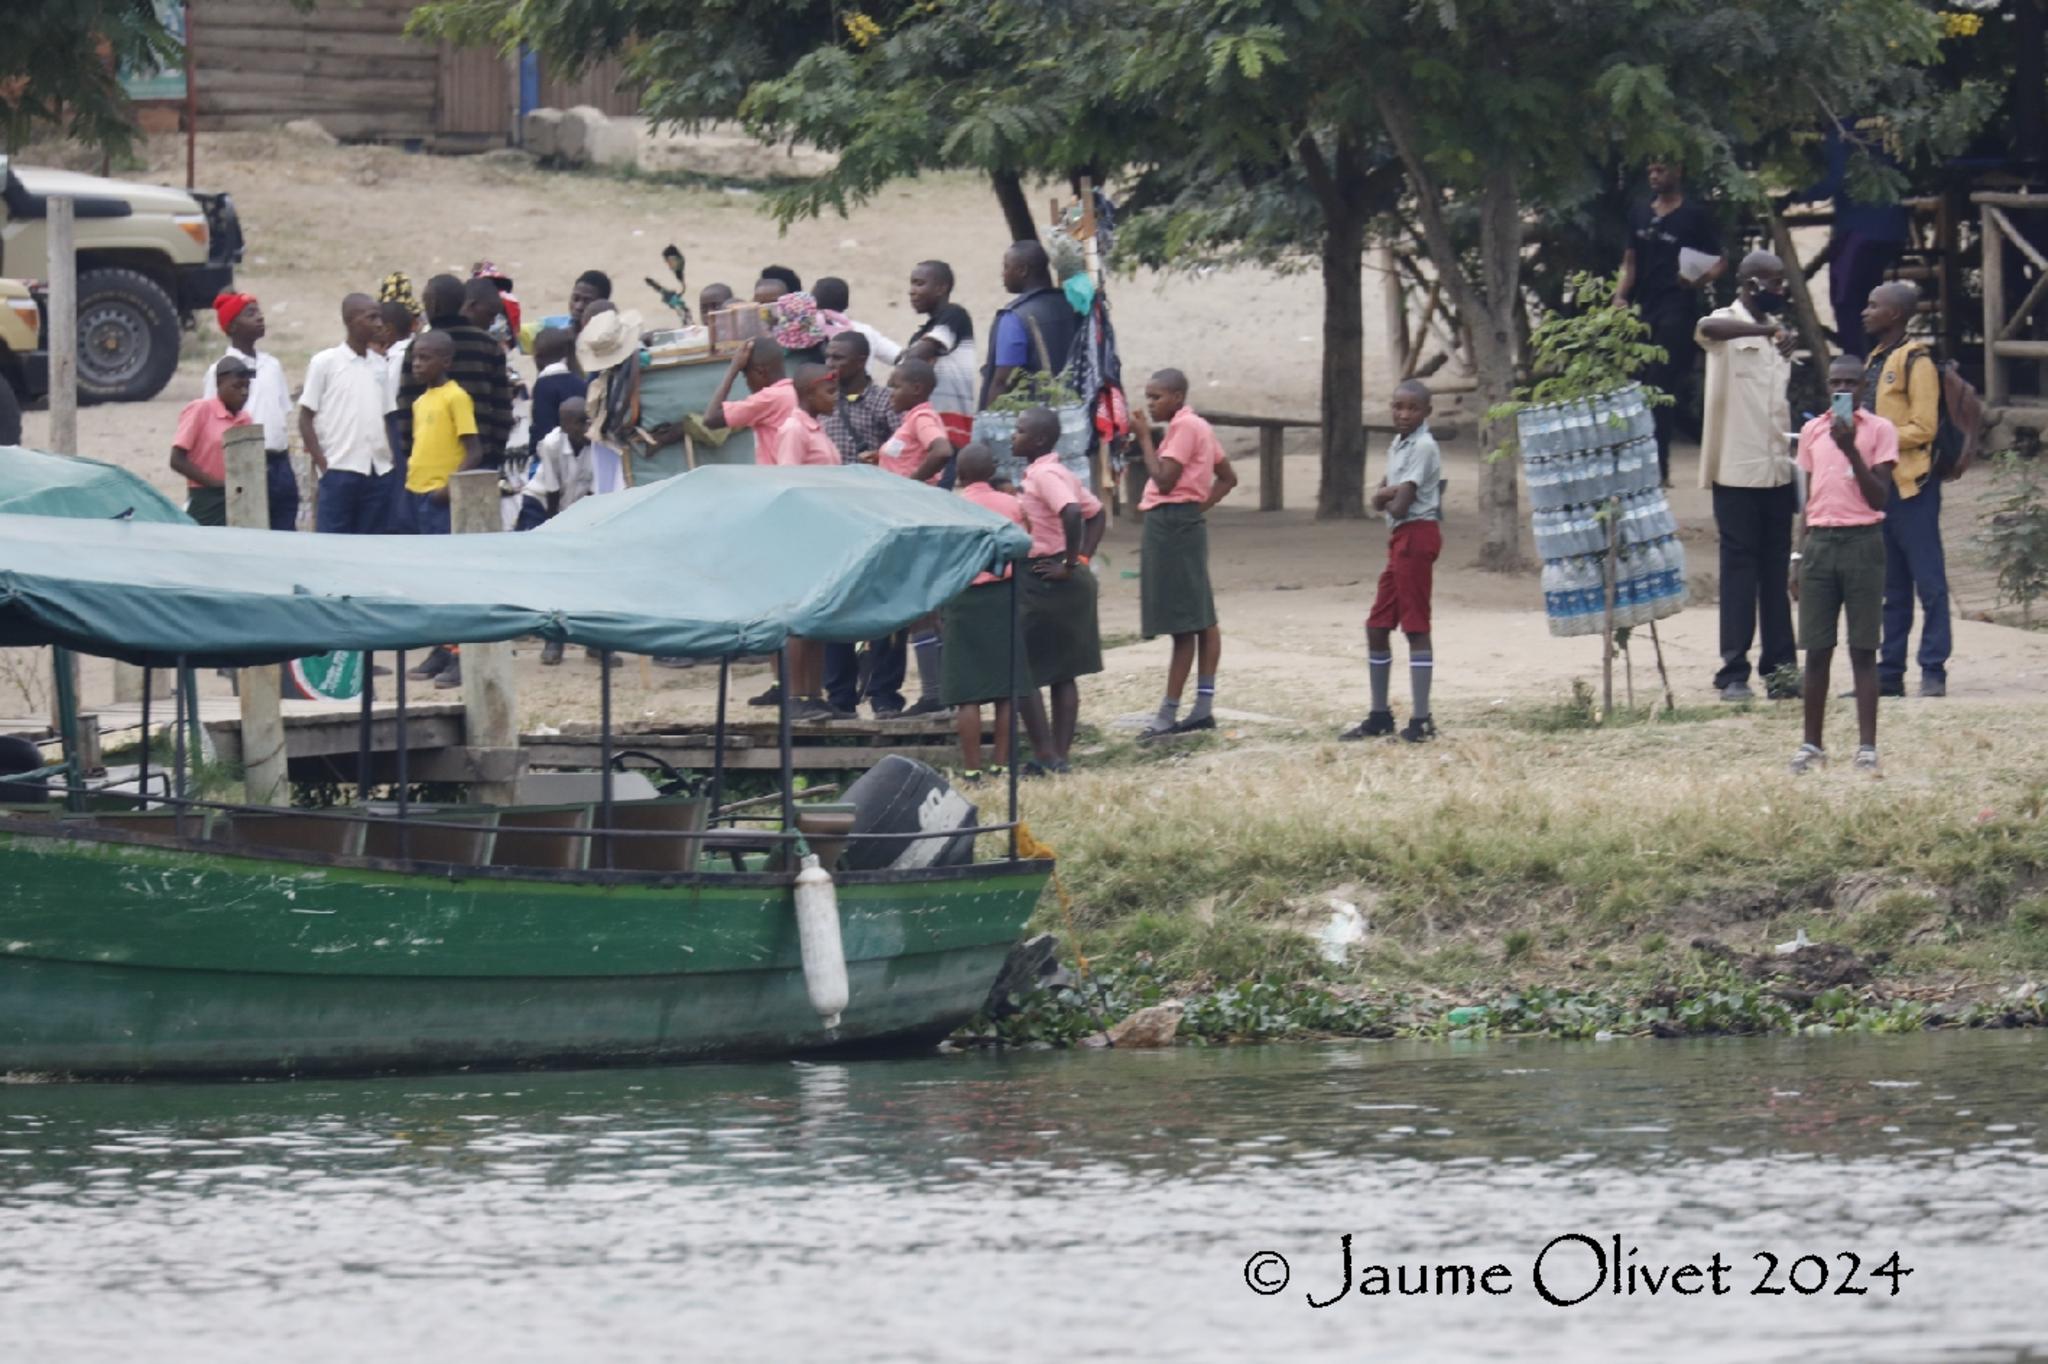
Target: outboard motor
[(19, 755), (900, 795)]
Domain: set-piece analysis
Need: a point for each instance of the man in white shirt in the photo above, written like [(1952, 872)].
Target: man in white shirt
[(341, 425), (834, 296), (1745, 460), (270, 400), (946, 342)]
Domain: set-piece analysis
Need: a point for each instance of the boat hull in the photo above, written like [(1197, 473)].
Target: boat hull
[(120, 958)]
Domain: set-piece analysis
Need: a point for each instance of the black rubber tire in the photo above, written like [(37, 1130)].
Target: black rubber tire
[(127, 337), (10, 413)]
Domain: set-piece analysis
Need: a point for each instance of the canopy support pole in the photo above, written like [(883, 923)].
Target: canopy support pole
[(178, 695), (1015, 625), (65, 675), (604, 748), (787, 741), (718, 738), (363, 726), (404, 753), (142, 774)]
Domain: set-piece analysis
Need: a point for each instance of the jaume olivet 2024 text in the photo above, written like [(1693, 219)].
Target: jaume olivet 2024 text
[(1579, 1267)]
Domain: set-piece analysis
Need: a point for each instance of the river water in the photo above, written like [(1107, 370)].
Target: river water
[(1051, 1205)]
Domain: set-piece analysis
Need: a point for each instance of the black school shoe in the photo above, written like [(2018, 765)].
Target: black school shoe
[(1378, 724), (433, 665), (1193, 725), (771, 697), (1419, 729)]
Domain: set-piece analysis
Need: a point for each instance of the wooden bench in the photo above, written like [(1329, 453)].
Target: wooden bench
[(1272, 435)]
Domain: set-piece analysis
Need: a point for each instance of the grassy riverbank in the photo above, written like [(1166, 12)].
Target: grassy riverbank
[(1626, 879)]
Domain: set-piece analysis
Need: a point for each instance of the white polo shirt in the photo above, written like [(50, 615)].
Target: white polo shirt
[(270, 396), (348, 397)]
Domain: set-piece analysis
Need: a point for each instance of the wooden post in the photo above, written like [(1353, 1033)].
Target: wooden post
[(1795, 282), (1992, 268), (264, 779), (490, 699), (1607, 630), (63, 272), (1272, 468)]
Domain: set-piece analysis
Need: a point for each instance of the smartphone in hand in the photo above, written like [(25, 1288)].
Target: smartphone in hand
[(1844, 405)]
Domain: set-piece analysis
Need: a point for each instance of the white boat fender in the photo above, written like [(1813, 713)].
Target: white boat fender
[(817, 937)]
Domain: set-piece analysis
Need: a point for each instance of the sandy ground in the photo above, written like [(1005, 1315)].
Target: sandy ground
[(1292, 592)]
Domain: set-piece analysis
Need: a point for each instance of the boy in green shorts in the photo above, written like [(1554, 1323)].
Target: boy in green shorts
[(1846, 454)]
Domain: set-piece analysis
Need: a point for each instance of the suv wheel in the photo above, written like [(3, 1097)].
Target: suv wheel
[(127, 336), (10, 413)]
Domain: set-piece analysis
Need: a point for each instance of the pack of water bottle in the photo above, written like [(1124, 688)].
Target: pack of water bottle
[(1588, 449), (1581, 529), (1649, 584)]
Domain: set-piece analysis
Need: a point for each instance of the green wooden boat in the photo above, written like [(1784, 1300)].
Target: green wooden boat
[(127, 954), (159, 934)]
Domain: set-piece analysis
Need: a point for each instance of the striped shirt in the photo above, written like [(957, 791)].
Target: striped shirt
[(479, 367)]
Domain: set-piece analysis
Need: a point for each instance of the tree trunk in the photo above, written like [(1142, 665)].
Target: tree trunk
[(1500, 517), (1341, 493), (1017, 215)]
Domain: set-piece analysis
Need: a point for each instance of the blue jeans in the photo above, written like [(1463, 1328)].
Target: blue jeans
[(284, 490), (423, 515), (352, 504), (1913, 562), (885, 679)]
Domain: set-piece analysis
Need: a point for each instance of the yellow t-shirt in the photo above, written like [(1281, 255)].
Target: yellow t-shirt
[(441, 417)]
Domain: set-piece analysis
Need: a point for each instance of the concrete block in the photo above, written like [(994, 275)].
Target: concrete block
[(541, 132), (612, 143), (572, 142)]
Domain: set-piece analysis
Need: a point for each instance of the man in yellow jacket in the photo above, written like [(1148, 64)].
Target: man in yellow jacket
[(1902, 383)]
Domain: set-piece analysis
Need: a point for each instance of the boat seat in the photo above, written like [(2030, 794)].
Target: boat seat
[(423, 842), (543, 837), (288, 831), (666, 814)]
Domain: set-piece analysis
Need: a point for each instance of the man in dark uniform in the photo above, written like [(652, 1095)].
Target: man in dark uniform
[(1038, 312), (1665, 279)]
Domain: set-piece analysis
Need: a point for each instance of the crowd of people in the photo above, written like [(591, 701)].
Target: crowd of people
[(420, 390)]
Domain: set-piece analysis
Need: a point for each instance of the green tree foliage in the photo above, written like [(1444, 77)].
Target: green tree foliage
[(2016, 531), (60, 62)]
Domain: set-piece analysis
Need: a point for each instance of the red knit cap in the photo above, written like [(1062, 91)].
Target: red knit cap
[(228, 306)]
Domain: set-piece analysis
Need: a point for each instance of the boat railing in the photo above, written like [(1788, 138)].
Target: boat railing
[(427, 819)]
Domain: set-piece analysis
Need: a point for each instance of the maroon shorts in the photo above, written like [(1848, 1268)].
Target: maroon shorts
[(1403, 600)]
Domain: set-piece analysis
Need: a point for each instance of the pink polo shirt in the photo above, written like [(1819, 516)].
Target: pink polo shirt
[(803, 441), (905, 450), (764, 414), (1832, 497), (1049, 488), (1002, 504), (202, 434), (1191, 443)]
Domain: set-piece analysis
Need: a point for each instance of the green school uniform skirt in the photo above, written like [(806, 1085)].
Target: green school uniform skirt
[(1060, 637), (1173, 587), (977, 658)]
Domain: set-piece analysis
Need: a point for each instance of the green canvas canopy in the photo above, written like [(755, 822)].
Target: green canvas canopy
[(37, 483), (718, 561)]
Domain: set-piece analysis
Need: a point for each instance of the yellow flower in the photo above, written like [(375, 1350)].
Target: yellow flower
[(862, 29), (1960, 24)]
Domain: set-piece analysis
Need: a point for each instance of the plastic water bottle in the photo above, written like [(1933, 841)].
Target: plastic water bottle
[(1554, 605)]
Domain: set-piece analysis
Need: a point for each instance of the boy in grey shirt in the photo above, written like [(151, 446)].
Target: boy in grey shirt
[(1411, 495)]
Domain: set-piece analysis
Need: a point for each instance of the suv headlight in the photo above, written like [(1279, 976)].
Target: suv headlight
[(194, 226), (26, 310)]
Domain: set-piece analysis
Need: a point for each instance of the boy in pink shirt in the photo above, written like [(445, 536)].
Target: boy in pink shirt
[(803, 439), (1060, 635), (1847, 454), (770, 400), (920, 447), (1184, 477), (199, 449), (984, 657)]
